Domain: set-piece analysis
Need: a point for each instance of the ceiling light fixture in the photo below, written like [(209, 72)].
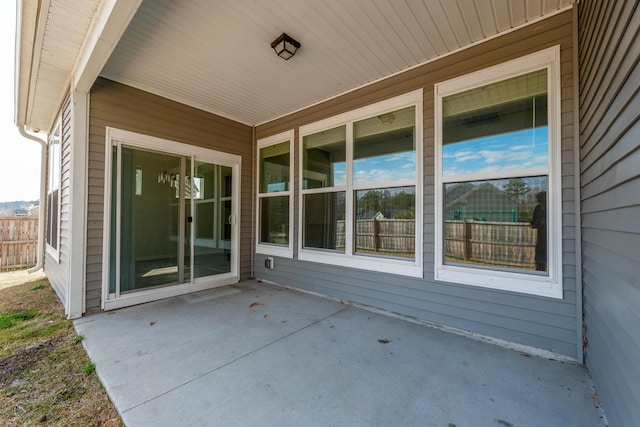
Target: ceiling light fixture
[(285, 46)]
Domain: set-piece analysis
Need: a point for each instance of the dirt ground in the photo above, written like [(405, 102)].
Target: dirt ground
[(46, 377), (19, 277)]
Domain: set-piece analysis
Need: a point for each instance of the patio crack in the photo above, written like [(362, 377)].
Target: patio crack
[(231, 362)]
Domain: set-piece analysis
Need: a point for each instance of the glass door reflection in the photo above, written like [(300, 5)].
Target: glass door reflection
[(212, 220)]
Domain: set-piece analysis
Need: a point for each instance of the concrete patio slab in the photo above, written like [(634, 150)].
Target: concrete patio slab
[(257, 354)]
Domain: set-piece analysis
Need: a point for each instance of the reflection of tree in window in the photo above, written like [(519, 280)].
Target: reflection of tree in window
[(494, 160), (382, 162)]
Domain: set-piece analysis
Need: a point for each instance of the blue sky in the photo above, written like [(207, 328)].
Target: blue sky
[(399, 168), (516, 150)]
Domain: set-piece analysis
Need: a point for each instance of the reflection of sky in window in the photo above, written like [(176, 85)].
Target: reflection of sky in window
[(339, 174), (516, 150), (278, 186), (399, 168)]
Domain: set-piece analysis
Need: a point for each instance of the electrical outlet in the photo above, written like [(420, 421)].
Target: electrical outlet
[(268, 263)]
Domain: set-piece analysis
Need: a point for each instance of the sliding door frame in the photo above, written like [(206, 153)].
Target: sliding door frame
[(118, 137)]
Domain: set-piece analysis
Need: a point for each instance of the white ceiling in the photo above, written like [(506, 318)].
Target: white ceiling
[(216, 55)]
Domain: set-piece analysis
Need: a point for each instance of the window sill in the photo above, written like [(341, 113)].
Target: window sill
[(543, 286), (53, 253), (275, 250), (383, 265)]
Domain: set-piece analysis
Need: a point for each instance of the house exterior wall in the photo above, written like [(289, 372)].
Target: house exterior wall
[(119, 106), (610, 196), (544, 323), (57, 269)]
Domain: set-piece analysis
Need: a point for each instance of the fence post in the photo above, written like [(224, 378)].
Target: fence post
[(467, 239), (376, 234)]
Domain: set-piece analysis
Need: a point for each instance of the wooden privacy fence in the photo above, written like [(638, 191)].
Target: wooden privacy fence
[(18, 242), (508, 244), (394, 237)]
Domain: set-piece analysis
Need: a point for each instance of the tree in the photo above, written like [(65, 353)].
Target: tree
[(516, 188)]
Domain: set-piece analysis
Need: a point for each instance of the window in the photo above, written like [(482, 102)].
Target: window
[(275, 204), (497, 178), (138, 181), (359, 179), (53, 192)]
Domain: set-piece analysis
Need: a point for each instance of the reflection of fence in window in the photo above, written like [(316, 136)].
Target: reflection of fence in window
[(502, 244), (389, 237)]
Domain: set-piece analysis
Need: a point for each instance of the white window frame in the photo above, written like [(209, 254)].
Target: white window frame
[(54, 251), (410, 268), (542, 285), (264, 248)]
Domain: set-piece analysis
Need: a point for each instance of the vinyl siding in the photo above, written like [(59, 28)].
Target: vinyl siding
[(58, 270), (116, 105), (545, 323), (610, 197)]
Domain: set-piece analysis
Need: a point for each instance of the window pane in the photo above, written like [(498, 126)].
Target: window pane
[(53, 189), (498, 127), (384, 149), (54, 160), (274, 168), (499, 223), (225, 181), (324, 159), (385, 222), (274, 220), (324, 225)]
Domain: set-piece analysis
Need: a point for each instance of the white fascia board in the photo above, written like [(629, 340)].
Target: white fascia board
[(109, 23), (29, 36), (25, 18)]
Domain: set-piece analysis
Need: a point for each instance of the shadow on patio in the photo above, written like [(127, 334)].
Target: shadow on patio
[(256, 354)]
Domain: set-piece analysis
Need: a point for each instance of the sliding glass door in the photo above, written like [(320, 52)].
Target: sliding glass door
[(149, 220), (171, 222), (212, 220)]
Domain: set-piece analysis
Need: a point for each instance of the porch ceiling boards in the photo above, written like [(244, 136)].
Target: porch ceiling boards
[(216, 55)]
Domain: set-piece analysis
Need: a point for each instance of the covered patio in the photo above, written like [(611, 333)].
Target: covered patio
[(260, 354), (172, 131)]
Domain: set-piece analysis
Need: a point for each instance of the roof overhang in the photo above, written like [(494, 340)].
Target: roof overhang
[(62, 44), (216, 56)]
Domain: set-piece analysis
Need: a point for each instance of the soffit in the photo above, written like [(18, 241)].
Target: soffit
[(52, 34)]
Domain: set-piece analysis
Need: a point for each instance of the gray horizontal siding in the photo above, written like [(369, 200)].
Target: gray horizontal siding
[(610, 194), (541, 322), (116, 105), (58, 270)]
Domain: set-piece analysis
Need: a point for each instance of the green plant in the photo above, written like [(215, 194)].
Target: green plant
[(89, 368), (7, 320), (77, 339), (37, 287)]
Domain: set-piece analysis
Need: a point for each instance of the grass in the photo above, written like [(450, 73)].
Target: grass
[(45, 377), (89, 368), (7, 320)]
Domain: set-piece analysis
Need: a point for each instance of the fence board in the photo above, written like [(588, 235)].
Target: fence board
[(509, 244)]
